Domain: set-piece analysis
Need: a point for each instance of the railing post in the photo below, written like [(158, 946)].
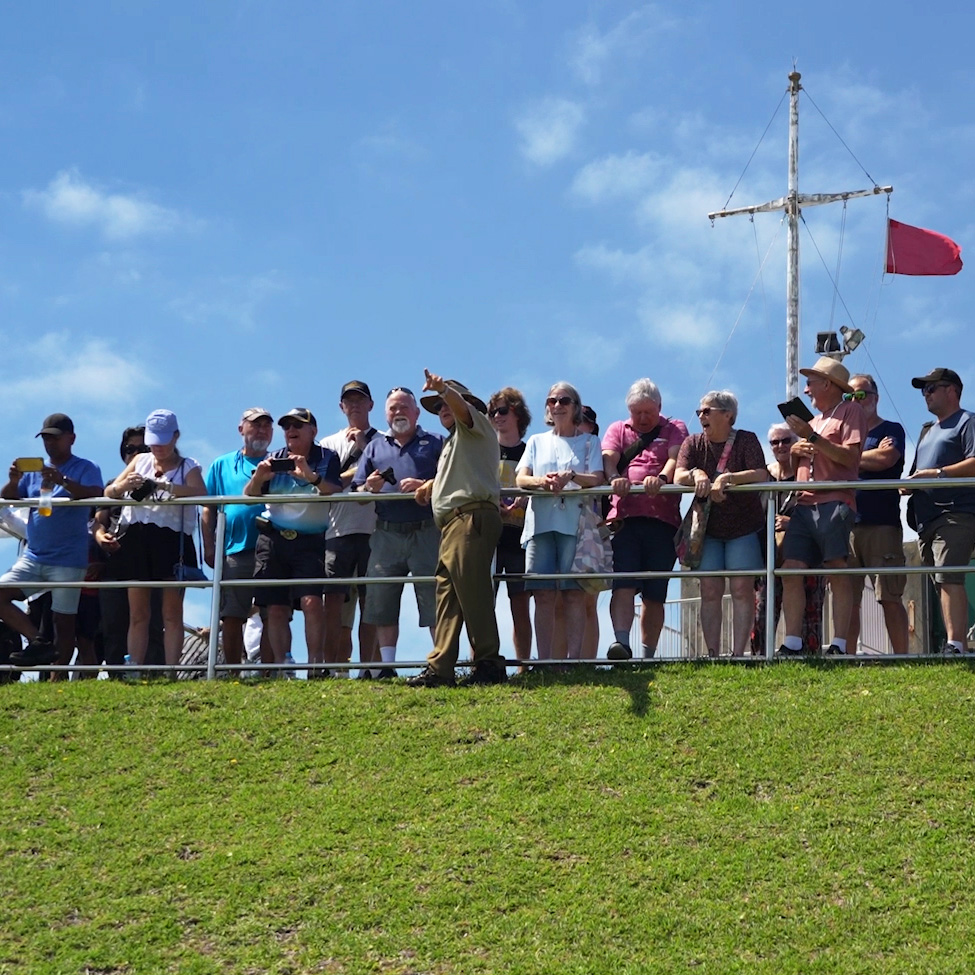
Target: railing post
[(215, 593), (770, 510)]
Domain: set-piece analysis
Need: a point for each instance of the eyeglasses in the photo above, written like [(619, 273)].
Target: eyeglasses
[(401, 389), (292, 425), (561, 400), (708, 410), (931, 387), (858, 395), (135, 448), (783, 442), (499, 411)]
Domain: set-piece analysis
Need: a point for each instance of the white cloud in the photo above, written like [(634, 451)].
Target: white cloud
[(617, 177), (235, 301), (69, 199), (549, 129), (64, 370), (391, 141), (591, 49)]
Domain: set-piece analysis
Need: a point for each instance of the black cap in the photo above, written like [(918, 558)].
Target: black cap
[(301, 414), (355, 386), (56, 424), (939, 375)]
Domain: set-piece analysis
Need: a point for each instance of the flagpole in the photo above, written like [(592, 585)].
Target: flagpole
[(792, 259)]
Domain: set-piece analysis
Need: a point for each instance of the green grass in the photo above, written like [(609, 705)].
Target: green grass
[(684, 818)]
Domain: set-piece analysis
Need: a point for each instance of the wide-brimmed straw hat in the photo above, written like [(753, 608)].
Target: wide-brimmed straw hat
[(831, 369), (434, 401)]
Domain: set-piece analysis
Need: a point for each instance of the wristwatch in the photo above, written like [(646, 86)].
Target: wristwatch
[(941, 472), (813, 437)]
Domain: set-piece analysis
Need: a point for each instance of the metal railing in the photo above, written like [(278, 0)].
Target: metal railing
[(217, 583)]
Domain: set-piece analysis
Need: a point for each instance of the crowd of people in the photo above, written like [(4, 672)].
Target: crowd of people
[(460, 525)]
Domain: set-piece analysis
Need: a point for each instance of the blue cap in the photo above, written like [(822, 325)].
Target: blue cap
[(161, 427)]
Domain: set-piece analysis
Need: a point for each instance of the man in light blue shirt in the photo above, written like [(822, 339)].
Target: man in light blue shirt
[(228, 475)]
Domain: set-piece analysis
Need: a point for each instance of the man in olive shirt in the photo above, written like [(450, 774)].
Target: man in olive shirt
[(465, 495)]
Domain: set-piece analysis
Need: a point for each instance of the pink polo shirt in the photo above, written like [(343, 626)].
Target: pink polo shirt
[(846, 426), (664, 507)]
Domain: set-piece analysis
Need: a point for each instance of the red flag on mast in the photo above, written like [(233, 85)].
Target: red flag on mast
[(912, 250)]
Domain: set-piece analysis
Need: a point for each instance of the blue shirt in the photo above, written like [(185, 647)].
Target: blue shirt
[(228, 475), (60, 538), (416, 459), (882, 507), (306, 519), (946, 442)]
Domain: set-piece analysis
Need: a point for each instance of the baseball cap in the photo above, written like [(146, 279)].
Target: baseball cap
[(255, 413), (355, 386), (56, 424), (161, 427), (301, 414), (939, 375)]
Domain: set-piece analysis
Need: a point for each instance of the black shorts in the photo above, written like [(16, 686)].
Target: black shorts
[(346, 556), (510, 559), (149, 552), (277, 557), (644, 545)]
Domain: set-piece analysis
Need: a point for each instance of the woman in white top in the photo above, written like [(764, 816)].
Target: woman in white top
[(554, 464), (155, 534)]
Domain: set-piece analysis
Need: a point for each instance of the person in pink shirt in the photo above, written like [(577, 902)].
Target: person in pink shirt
[(819, 529), (639, 458)]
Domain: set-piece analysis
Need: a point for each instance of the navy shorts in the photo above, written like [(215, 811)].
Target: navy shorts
[(644, 545), (819, 533)]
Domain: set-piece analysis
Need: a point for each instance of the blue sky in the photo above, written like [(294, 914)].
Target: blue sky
[(211, 206)]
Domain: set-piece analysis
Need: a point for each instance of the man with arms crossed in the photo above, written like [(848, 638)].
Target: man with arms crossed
[(946, 516), (347, 538), (878, 539), (819, 529)]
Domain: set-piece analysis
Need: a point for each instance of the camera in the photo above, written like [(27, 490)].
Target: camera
[(388, 476), (147, 487)]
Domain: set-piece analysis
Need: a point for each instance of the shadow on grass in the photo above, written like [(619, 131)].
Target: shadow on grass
[(635, 680)]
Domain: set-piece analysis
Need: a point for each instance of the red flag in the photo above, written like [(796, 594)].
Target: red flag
[(911, 250)]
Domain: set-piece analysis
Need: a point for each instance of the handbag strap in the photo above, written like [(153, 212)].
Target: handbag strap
[(637, 447), (726, 453)]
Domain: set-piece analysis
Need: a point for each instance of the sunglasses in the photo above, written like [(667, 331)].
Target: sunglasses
[(784, 442), (707, 410), (401, 389), (931, 387), (560, 400), (292, 425), (499, 411), (858, 395), (130, 448)]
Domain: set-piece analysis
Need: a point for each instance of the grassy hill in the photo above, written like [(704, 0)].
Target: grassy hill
[(713, 818)]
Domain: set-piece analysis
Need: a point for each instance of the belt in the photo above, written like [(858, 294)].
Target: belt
[(264, 527), (404, 527), (464, 509)]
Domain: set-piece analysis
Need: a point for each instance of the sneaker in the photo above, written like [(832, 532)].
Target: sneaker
[(35, 654), (486, 673), (834, 651), (387, 673), (945, 648), (428, 677), (619, 651), (785, 651), (289, 674), (364, 675)]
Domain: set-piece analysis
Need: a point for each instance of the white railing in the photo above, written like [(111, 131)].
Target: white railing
[(672, 636)]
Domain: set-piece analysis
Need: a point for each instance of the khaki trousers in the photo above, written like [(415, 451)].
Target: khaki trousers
[(465, 590)]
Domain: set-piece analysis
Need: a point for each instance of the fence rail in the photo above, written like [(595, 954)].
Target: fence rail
[(217, 582)]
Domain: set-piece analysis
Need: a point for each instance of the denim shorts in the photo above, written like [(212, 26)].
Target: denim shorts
[(550, 552), (26, 569), (744, 552), (819, 533)]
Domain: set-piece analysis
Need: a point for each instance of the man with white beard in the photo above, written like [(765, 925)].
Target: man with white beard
[(406, 540)]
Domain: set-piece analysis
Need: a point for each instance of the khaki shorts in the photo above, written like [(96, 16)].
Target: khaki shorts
[(948, 541), (878, 547)]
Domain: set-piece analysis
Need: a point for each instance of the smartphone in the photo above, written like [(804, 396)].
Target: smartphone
[(29, 465), (795, 407), (282, 464)]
